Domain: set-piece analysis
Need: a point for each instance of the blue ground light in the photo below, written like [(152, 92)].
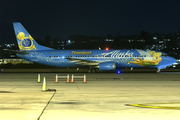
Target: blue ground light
[(118, 71)]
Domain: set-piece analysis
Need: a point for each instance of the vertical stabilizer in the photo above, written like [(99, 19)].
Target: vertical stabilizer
[(25, 41)]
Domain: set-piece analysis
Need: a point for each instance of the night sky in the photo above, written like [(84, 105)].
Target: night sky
[(63, 18)]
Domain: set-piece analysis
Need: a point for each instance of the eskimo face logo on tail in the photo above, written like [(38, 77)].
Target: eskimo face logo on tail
[(25, 43)]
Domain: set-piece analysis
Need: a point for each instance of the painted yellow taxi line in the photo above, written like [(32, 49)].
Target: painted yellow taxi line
[(159, 105)]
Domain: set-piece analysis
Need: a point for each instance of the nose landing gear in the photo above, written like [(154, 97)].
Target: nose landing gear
[(158, 70)]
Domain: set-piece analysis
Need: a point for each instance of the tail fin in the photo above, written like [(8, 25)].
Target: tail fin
[(25, 41)]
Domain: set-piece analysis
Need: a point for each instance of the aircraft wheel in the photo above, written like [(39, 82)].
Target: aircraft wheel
[(158, 71), (93, 70), (89, 70)]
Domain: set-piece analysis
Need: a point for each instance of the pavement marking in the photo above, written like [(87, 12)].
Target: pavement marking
[(77, 86), (14, 88), (47, 103), (158, 105)]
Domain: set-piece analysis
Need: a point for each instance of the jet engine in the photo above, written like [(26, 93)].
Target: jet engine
[(107, 66)]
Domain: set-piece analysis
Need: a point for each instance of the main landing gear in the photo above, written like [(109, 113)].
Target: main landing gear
[(92, 70)]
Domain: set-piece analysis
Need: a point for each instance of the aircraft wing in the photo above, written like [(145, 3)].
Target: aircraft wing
[(17, 51), (84, 62)]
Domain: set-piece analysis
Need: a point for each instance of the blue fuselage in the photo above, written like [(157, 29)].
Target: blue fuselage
[(75, 58)]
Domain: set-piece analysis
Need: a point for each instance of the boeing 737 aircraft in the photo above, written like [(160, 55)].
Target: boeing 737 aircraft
[(94, 59)]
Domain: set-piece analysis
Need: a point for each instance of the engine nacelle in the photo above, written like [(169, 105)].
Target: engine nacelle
[(107, 66)]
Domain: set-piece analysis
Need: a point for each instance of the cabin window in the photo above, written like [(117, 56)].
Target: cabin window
[(119, 55), (144, 55), (49, 56)]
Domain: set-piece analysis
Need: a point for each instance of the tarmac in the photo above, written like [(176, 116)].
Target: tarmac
[(105, 96)]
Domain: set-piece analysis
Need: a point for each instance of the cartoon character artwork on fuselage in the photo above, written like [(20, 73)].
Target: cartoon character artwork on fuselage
[(148, 61)]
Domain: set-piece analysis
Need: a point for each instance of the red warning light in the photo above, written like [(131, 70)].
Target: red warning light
[(107, 48)]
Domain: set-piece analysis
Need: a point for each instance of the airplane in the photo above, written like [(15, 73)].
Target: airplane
[(106, 60)]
